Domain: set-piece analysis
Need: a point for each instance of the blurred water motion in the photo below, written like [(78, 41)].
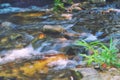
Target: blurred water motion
[(26, 3)]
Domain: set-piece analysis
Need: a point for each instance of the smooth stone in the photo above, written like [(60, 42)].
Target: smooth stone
[(53, 28), (88, 73), (115, 78)]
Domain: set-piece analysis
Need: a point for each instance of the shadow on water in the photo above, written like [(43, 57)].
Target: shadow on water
[(26, 3)]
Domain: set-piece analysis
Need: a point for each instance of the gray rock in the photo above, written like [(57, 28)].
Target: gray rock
[(87, 74), (116, 78), (92, 77), (8, 25), (90, 38), (53, 28)]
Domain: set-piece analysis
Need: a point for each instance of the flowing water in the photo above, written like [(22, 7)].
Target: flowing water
[(35, 33)]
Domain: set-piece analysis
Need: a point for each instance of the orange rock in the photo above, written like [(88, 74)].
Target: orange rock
[(30, 68), (41, 66), (30, 14), (41, 36)]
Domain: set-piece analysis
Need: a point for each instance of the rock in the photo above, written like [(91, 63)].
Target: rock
[(12, 40), (88, 37), (70, 35), (115, 78), (8, 25), (74, 7), (55, 44), (87, 71), (87, 74), (15, 36), (74, 49), (4, 40), (111, 74), (58, 75), (67, 16), (118, 55), (114, 71), (76, 75), (112, 10), (97, 1), (29, 15), (53, 28), (93, 77)]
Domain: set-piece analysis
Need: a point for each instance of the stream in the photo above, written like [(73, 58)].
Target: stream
[(38, 44)]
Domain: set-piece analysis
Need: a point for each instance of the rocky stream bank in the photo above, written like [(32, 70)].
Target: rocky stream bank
[(38, 44)]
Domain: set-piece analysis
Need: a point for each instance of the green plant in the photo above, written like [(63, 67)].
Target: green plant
[(58, 5), (101, 53)]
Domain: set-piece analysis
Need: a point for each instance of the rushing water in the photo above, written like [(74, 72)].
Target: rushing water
[(27, 22), (23, 33)]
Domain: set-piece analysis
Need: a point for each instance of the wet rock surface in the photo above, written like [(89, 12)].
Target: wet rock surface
[(32, 40), (87, 74)]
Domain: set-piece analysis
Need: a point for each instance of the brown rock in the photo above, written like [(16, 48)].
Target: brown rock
[(53, 28), (67, 16)]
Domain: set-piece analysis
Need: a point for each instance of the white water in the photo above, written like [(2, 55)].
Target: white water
[(12, 55)]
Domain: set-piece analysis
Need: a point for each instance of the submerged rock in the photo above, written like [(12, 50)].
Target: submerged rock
[(11, 40), (8, 25)]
